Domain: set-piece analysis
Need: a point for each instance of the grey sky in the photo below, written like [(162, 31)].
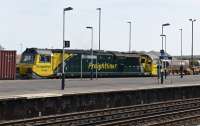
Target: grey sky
[(38, 23)]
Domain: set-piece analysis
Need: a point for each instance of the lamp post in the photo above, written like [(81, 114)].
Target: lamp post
[(163, 25), (166, 43), (165, 36), (181, 38), (192, 60), (165, 63), (99, 9), (89, 27), (129, 22), (63, 63)]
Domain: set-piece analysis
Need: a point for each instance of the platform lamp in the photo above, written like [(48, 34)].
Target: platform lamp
[(63, 49), (192, 58), (163, 25), (91, 28)]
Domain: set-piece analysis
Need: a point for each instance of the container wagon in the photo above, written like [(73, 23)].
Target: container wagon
[(7, 65)]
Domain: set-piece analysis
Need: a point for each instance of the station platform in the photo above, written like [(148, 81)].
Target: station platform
[(10, 89), (31, 98), (59, 93)]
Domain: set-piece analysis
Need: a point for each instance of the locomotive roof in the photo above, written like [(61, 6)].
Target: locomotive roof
[(79, 51), (122, 54), (39, 51)]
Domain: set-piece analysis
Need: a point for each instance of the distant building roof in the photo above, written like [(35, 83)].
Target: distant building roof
[(187, 57), (1, 47), (155, 55)]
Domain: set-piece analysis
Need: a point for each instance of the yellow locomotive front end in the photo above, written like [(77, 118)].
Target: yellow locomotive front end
[(36, 64), (26, 64), (149, 65)]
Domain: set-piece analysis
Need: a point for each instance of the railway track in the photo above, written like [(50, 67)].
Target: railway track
[(153, 114), (179, 118)]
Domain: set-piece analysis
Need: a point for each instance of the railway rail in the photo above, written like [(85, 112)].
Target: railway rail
[(152, 114), (178, 118)]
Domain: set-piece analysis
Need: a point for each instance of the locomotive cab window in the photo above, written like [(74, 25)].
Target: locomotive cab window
[(45, 58), (27, 58)]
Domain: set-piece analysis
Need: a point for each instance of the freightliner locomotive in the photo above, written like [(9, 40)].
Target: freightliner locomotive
[(47, 63)]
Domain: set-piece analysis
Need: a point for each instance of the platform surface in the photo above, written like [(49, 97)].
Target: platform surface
[(51, 87)]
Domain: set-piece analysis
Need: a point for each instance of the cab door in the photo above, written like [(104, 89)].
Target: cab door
[(44, 65)]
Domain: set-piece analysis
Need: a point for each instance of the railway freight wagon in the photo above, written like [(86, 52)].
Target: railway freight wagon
[(47, 63), (7, 65)]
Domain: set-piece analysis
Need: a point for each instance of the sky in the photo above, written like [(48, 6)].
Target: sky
[(38, 23)]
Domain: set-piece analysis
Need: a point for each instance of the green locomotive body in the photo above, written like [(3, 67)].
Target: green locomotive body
[(47, 63)]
